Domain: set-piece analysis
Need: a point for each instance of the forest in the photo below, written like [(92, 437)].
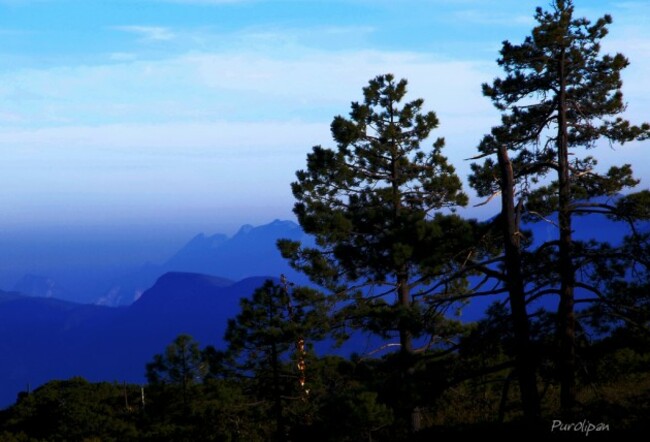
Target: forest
[(563, 348)]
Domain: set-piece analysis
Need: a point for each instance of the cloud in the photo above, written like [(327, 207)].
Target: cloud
[(149, 33), (251, 84), (254, 99), (249, 114), (476, 16)]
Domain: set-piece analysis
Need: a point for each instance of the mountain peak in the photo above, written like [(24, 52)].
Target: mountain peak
[(284, 223), (244, 230), (179, 286), (252, 251)]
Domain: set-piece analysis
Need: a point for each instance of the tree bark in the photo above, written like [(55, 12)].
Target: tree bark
[(408, 412), (566, 315), (404, 300), (524, 356), (275, 367)]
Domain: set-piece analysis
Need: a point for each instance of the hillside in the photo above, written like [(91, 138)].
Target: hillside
[(53, 339)]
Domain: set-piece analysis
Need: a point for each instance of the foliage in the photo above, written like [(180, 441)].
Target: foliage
[(373, 205), (269, 341), (560, 94), (75, 410), (350, 398), (181, 364)]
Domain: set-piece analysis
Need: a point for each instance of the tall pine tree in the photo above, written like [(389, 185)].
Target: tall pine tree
[(559, 94), (374, 206), (370, 203)]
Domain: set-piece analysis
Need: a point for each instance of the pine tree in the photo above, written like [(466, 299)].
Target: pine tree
[(559, 94), (270, 329), (374, 206), (182, 365)]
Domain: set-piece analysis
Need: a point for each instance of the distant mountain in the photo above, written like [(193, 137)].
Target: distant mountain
[(197, 253), (250, 252), (45, 338), (43, 286)]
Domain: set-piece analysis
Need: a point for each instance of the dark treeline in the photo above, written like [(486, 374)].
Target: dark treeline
[(566, 339)]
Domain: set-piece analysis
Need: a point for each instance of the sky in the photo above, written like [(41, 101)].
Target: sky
[(193, 115)]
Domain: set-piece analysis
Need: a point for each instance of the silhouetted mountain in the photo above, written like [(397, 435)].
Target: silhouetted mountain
[(44, 338), (197, 253), (131, 286), (250, 252)]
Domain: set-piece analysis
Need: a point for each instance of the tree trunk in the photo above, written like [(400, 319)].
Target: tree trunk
[(275, 367), (524, 356), (407, 408), (404, 301), (408, 412), (566, 315), (277, 399)]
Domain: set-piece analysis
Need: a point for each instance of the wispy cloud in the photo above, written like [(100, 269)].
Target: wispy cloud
[(252, 85), (149, 33), (215, 104), (254, 111), (491, 19)]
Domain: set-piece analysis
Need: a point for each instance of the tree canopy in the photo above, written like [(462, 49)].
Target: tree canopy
[(559, 94), (375, 204)]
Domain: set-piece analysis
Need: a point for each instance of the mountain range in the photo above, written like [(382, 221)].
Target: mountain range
[(251, 251), (45, 338), (138, 314)]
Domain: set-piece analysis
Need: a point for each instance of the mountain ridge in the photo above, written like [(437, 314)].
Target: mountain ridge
[(50, 338), (250, 251)]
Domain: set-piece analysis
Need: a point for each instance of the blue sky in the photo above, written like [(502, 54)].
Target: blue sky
[(196, 113)]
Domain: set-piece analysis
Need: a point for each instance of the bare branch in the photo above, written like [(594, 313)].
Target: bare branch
[(490, 198)]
